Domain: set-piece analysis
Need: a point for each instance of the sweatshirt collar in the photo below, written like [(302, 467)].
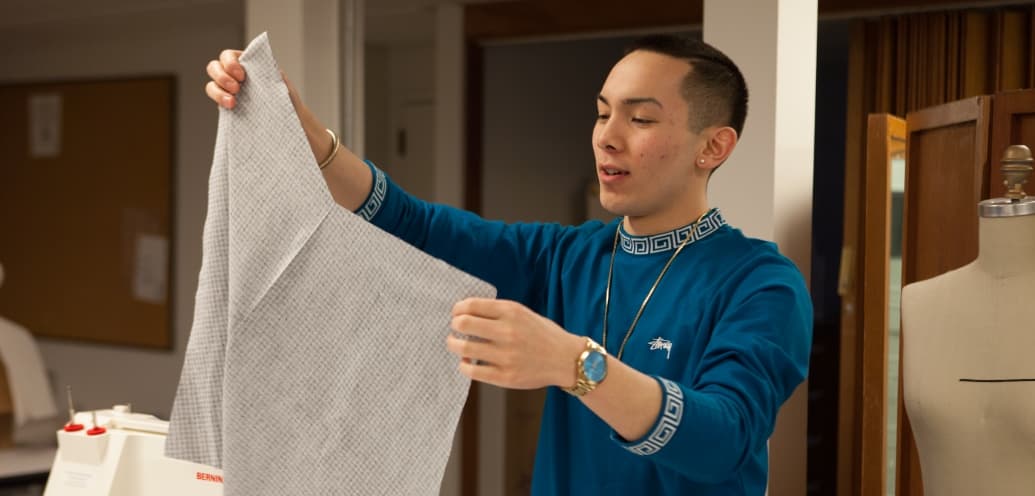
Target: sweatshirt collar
[(668, 241)]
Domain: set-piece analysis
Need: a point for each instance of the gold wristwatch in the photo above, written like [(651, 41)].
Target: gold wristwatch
[(590, 368)]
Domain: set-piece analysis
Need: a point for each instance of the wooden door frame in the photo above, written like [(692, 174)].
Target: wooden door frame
[(862, 403), (882, 129)]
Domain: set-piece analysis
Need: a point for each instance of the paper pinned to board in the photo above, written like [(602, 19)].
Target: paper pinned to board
[(45, 125), (151, 268), (316, 362)]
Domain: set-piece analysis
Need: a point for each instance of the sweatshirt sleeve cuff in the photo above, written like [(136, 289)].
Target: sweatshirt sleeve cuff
[(376, 198), (666, 425)]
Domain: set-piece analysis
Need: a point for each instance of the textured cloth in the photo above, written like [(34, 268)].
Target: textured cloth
[(316, 362), (726, 334)]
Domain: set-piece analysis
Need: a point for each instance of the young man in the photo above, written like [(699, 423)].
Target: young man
[(670, 337)]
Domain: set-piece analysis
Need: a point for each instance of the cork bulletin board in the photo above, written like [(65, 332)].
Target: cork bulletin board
[(86, 202)]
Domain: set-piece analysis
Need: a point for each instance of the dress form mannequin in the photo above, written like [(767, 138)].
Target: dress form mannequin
[(968, 367)]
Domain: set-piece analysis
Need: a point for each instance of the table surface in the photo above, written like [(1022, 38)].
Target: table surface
[(26, 460)]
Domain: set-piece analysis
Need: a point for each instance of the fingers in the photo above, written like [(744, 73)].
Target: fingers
[(224, 99), (226, 75), (480, 328), (478, 352), (483, 307), (489, 374), (502, 345), (230, 63)]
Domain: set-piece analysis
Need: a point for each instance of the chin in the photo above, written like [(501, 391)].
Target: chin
[(611, 205), (616, 207)]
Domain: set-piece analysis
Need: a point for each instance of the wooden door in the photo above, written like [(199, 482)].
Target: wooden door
[(886, 142), (864, 382), (946, 176), (1013, 123)]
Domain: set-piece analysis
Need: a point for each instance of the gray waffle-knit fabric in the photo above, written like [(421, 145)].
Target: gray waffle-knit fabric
[(316, 362)]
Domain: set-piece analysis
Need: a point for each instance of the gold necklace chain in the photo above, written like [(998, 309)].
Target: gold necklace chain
[(610, 272)]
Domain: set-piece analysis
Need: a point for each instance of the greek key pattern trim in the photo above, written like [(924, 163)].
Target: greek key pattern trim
[(671, 416), (377, 196), (668, 241)]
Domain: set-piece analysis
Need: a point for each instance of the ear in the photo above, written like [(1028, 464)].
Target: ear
[(717, 148)]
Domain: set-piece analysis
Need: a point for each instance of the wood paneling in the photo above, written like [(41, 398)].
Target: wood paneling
[(947, 160), (920, 60), (864, 6), (1013, 123), (1012, 49), (977, 51)]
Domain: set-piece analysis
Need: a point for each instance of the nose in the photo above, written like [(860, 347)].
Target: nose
[(606, 136)]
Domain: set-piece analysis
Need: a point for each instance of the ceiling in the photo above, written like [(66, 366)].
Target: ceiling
[(388, 21), (37, 12)]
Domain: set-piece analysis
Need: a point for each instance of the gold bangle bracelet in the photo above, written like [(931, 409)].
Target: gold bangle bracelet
[(335, 145)]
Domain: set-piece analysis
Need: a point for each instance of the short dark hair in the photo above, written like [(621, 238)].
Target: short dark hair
[(714, 88)]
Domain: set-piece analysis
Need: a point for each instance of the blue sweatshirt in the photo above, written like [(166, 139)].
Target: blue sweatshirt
[(726, 335)]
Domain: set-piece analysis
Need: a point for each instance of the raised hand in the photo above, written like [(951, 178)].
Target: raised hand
[(517, 349), (227, 74)]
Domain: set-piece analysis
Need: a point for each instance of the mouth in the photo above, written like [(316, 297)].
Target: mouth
[(611, 171)]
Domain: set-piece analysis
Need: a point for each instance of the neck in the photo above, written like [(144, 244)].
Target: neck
[(672, 218), (1006, 245), (647, 225)]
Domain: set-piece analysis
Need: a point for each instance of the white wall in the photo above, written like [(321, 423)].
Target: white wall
[(379, 141), (176, 41), (766, 187), (305, 39), (399, 79)]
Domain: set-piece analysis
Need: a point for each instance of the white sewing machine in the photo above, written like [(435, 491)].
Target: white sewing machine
[(120, 453)]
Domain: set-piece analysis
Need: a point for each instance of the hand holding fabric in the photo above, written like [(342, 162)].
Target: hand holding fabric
[(514, 347)]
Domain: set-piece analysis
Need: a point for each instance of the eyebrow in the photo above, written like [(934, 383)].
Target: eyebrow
[(632, 101)]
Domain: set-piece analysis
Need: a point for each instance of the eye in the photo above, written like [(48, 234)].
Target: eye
[(603, 117), (640, 120)]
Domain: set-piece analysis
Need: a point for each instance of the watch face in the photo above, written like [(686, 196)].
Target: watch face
[(595, 366)]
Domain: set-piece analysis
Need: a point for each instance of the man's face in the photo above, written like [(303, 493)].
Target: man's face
[(642, 141)]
